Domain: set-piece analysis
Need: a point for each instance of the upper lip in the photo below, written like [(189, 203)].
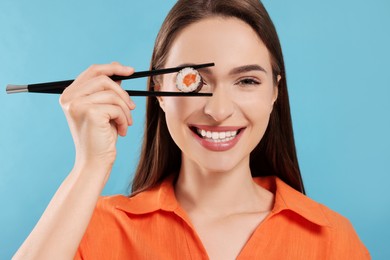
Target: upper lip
[(217, 128)]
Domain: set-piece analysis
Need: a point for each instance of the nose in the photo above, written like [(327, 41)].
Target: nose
[(220, 105)]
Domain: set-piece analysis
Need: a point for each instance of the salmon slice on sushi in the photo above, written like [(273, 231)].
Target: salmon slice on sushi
[(188, 80)]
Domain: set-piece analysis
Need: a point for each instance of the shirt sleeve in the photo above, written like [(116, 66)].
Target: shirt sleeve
[(345, 242)]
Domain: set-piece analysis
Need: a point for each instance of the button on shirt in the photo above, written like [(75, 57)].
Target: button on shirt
[(152, 225)]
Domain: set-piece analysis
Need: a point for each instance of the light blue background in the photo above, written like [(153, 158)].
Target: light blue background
[(337, 58)]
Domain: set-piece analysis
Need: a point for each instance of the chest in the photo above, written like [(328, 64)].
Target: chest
[(225, 238), (166, 235)]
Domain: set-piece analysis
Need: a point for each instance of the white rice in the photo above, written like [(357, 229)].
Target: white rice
[(180, 78)]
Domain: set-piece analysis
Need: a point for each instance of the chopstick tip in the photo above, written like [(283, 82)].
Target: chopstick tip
[(16, 88)]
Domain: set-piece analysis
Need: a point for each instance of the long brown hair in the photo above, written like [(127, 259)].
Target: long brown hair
[(275, 154)]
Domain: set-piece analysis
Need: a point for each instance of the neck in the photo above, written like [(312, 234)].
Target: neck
[(219, 193)]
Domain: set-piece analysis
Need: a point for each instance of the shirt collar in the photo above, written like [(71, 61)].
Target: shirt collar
[(287, 198), (162, 197)]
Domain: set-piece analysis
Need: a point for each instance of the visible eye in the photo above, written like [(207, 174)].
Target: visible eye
[(248, 82)]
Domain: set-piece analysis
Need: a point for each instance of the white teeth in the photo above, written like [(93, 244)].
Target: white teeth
[(217, 136)]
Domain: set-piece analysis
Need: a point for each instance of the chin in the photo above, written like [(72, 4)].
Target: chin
[(220, 165)]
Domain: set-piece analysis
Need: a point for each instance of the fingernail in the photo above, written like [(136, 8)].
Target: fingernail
[(131, 104), (129, 69)]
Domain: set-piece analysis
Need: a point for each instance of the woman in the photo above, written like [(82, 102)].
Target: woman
[(218, 176)]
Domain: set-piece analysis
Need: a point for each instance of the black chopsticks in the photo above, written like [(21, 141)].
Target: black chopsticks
[(57, 87)]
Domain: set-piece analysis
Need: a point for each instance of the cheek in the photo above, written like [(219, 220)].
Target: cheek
[(256, 103), (178, 113), (256, 109), (180, 108), (257, 113)]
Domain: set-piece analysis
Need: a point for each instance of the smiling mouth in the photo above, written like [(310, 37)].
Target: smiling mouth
[(216, 136)]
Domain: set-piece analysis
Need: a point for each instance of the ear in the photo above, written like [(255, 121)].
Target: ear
[(276, 89), (160, 99)]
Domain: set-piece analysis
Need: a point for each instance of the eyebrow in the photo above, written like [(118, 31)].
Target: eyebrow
[(234, 71), (247, 68)]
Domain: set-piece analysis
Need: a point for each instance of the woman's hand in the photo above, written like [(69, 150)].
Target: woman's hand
[(97, 110)]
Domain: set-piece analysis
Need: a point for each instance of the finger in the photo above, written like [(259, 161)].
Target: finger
[(114, 68), (110, 97), (100, 83), (119, 82), (114, 114)]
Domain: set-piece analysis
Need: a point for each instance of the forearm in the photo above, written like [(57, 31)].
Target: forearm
[(62, 225), (97, 110)]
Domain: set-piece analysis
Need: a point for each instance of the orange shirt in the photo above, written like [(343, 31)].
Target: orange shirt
[(152, 225)]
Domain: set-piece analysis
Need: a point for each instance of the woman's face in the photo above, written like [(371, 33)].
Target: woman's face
[(218, 133)]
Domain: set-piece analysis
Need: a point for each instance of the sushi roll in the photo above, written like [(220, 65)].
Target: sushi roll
[(188, 80)]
